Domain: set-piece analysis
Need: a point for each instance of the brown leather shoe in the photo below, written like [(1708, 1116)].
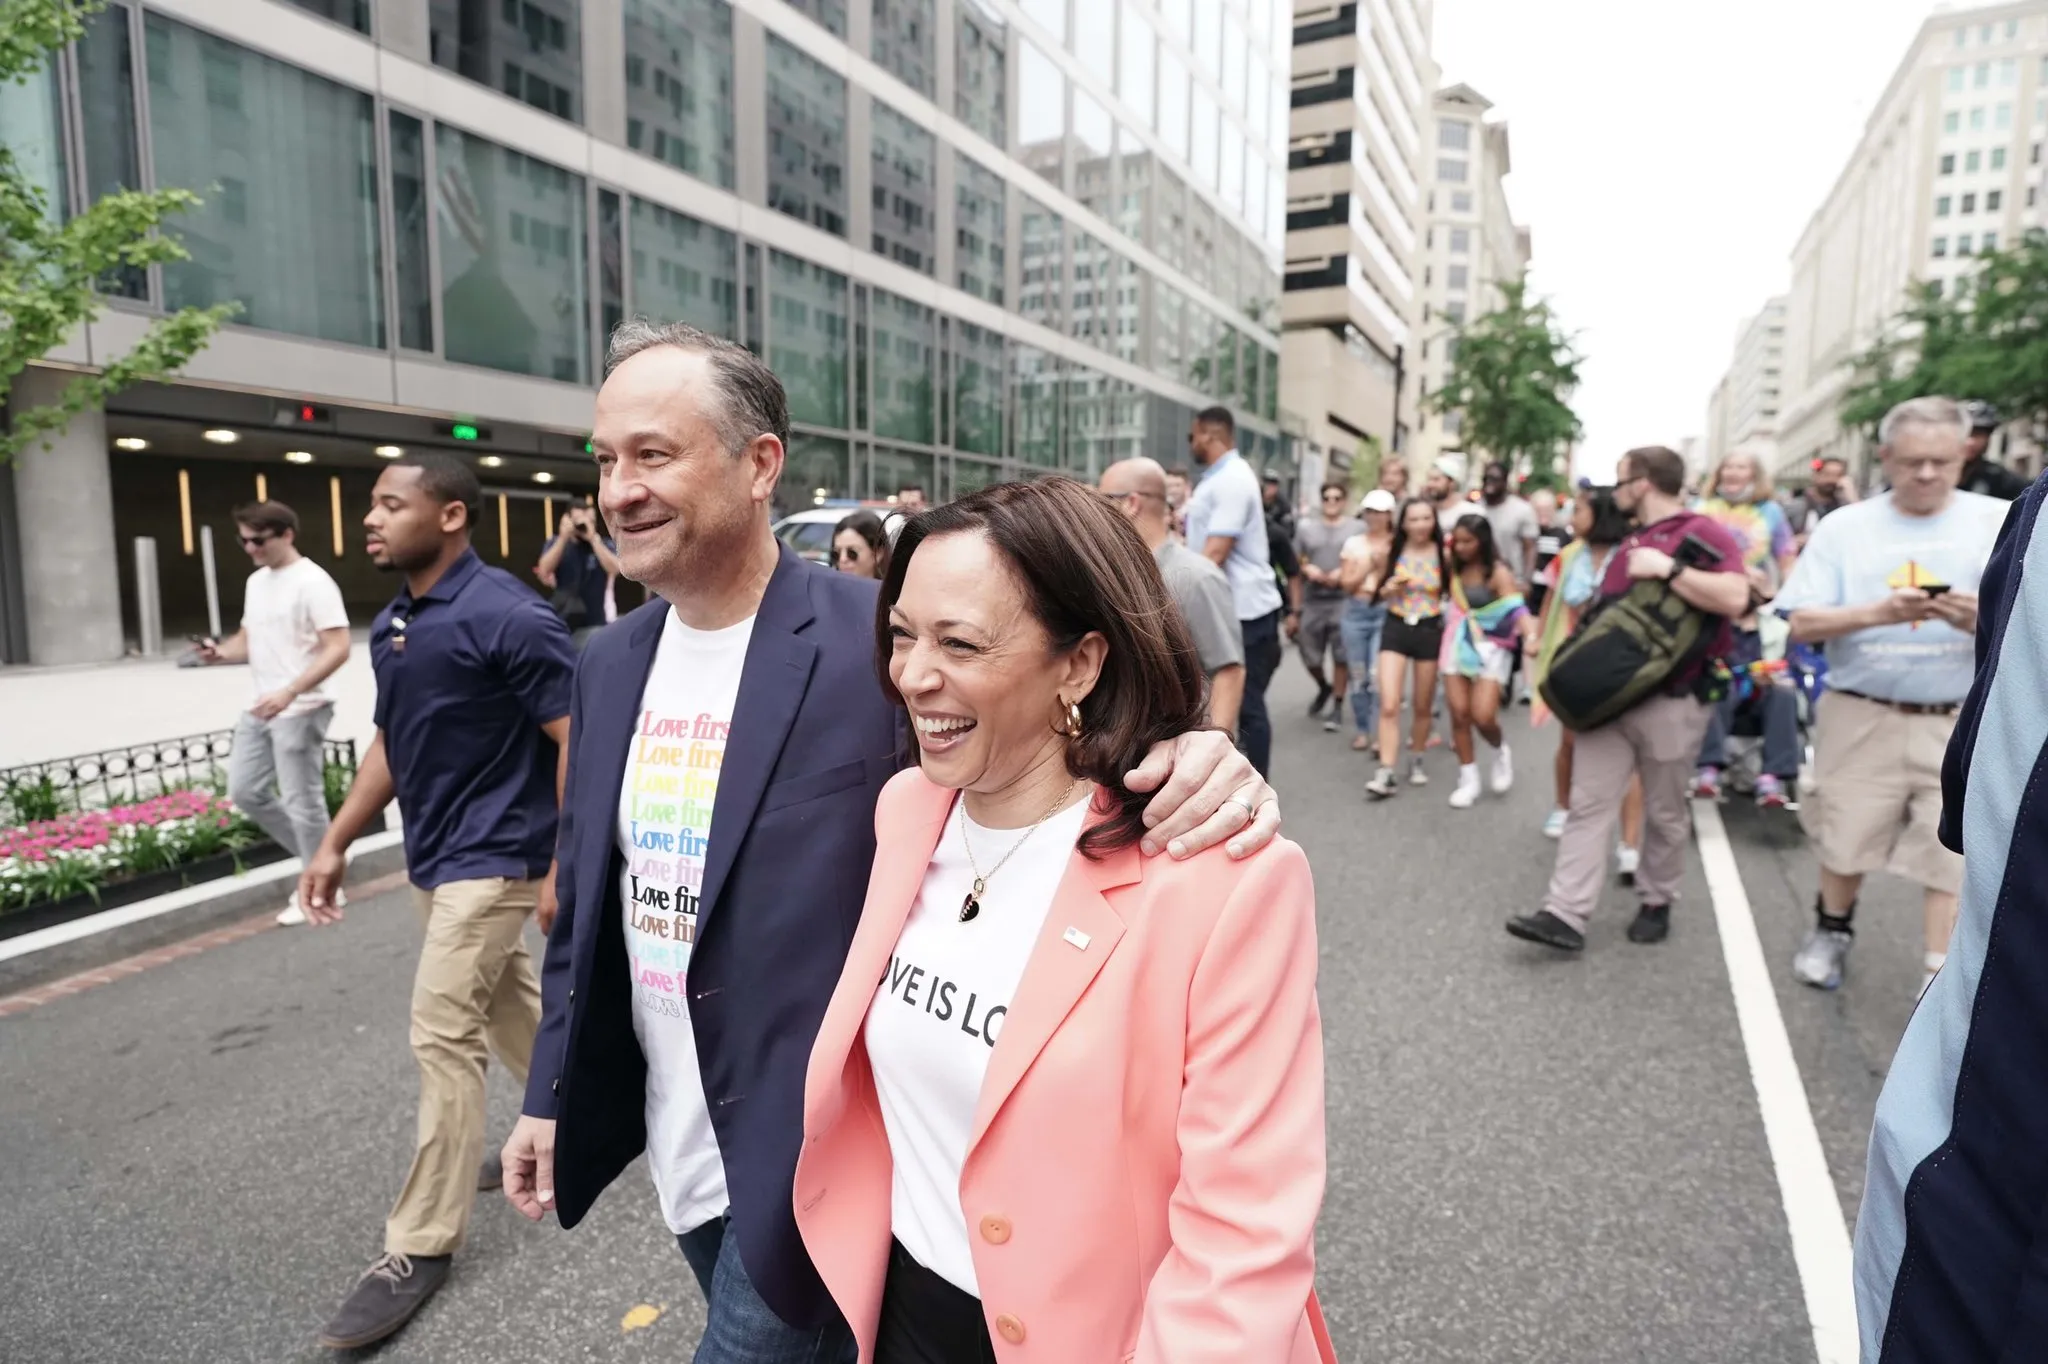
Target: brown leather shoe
[(390, 1292)]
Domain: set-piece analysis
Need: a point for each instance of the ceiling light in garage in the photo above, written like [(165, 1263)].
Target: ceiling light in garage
[(491, 461), (543, 477), (298, 457), (222, 436), (131, 443), (389, 451)]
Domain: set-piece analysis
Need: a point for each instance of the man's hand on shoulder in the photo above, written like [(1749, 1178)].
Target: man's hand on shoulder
[(1207, 792)]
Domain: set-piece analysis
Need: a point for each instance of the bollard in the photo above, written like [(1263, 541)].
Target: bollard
[(212, 582), (149, 601)]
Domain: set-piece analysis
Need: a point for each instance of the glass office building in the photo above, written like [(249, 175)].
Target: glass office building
[(975, 238)]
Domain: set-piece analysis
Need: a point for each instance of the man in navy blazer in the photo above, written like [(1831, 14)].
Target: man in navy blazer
[(728, 742)]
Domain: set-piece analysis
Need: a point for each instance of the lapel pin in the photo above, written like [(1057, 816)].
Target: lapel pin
[(1076, 937)]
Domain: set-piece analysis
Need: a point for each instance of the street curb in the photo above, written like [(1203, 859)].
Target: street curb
[(101, 939)]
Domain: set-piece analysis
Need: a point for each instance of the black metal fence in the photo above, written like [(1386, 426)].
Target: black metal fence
[(139, 772)]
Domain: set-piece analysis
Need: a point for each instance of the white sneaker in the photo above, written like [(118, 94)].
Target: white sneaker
[(1553, 824), (1467, 793), (1626, 860), (1503, 776), (291, 916), (1416, 776)]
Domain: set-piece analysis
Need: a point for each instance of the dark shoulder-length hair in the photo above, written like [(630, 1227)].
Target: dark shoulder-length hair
[(868, 527), (1482, 531), (1082, 568), (1611, 524)]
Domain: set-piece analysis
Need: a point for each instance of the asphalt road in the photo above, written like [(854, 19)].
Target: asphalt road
[(1532, 1159)]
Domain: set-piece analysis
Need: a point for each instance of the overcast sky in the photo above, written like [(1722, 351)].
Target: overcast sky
[(1667, 158)]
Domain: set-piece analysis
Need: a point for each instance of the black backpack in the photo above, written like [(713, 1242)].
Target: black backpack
[(1628, 648)]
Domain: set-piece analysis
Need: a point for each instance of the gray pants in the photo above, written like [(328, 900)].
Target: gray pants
[(1660, 739), (276, 776)]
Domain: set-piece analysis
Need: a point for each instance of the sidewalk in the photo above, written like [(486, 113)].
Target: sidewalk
[(57, 712)]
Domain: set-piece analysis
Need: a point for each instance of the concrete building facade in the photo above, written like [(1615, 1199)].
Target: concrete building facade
[(1949, 166), (976, 238), (1356, 202), (1744, 407), (1471, 246)]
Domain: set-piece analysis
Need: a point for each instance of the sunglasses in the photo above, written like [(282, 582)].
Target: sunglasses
[(847, 552), (252, 541)]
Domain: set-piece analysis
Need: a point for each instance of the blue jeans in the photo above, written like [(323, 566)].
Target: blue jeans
[(1777, 710), (741, 1329), (1361, 625), (1261, 658)]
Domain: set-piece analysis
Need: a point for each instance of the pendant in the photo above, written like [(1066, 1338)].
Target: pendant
[(971, 906)]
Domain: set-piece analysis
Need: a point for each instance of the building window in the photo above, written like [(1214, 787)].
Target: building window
[(1997, 158), (2002, 118), (1948, 163), (1989, 244), (978, 218), (807, 337), (298, 246), (2033, 196), (2034, 155), (1135, 50), (1969, 203), (904, 167), (1041, 264), (980, 42), (1994, 200), (1941, 206), (1977, 119), (1940, 247), (1454, 135), (1461, 201), (685, 271), (830, 13), (905, 42), (514, 248), (900, 362), (1457, 276), (679, 85), (1450, 171), (1972, 161), (410, 223), (1955, 79), (353, 14), (2009, 71), (1951, 121), (1461, 240), (1963, 245), (977, 389), (1981, 78), (1041, 114), (1454, 312), (806, 138), (1454, 424), (532, 50)]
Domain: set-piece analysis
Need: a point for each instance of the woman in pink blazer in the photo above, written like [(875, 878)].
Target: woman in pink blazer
[(1067, 1101)]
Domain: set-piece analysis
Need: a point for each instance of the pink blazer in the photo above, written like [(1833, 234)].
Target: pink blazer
[(1148, 1157)]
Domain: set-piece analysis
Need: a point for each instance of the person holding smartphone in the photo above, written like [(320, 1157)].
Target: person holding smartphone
[(579, 566)]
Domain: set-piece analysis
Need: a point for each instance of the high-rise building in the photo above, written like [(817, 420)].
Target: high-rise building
[(976, 238), (1948, 167), (1471, 246), (1355, 209), (1744, 407)]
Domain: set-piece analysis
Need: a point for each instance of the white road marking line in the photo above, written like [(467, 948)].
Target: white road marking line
[(1820, 1235)]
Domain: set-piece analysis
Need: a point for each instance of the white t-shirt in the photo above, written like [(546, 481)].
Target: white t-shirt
[(283, 612), (939, 1013), (664, 834)]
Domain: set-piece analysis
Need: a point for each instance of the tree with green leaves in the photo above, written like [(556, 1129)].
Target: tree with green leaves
[(1513, 375), (49, 266), (1986, 338)]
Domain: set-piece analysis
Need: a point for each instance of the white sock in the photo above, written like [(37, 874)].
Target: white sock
[(1468, 772)]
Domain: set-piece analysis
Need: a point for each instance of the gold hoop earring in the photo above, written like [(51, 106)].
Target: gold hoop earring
[(1073, 728)]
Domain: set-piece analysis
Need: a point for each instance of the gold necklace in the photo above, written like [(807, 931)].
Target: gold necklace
[(971, 906)]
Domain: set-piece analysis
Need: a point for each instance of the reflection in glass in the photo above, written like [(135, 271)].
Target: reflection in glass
[(611, 268), (807, 332), (1173, 104), (806, 138), (1258, 102), (1105, 423), (890, 471), (814, 470), (1041, 259), (977, 389), (1269, 392), (32, 131), (1231, 179), (903, 384), (1134, 187), (1180, 19), (1094, 167), (1035, 403), (679, 85), (353, 14), (531, 50), (905, 175), (1202, 262), (830, 13), (1203, 162), (978, 220), (1169, 311), (905, 41), (106, 94), (1095, 39), (1209, 36), (289, 229), (1170, 219), (1236, 52), (514, 287), (1050, 15), (1041, 113), (685, 270), (1134, 69), (980, 40), (972, 475), (409, 227)]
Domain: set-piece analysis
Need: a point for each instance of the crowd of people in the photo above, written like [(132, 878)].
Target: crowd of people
[(906, 915)]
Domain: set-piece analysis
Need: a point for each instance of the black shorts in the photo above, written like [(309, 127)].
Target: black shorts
[(1422, 641)]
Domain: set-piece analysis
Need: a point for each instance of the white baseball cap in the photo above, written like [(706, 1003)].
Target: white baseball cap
[(1379, 500)]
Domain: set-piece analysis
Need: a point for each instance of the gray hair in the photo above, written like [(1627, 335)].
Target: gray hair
[(1938, 413), (751, 400)]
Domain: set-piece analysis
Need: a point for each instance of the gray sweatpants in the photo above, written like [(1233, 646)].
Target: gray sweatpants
[(1661, 740), (276, 777)]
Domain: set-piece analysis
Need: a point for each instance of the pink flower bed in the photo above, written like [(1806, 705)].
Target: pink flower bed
[(92, 830)]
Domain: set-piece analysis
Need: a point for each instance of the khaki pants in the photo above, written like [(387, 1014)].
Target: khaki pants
[(1876, 798), (1660, 739), (475, 986)]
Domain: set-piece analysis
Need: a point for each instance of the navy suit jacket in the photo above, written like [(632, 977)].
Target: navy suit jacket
[(792, 841)]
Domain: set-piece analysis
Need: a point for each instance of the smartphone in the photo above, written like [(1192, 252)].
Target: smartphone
[(1934, 589)]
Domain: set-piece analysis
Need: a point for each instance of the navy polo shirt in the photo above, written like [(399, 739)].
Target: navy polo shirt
[(466, 676)]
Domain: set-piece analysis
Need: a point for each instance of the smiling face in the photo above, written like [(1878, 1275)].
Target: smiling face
[(1465, 545), (852, 554), (982, 677), (266, 548), (1418, 527), (1738, 478), (681, 506)]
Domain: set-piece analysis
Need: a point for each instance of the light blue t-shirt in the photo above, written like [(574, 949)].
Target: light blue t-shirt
[(1866, 551), (1226, 502)]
